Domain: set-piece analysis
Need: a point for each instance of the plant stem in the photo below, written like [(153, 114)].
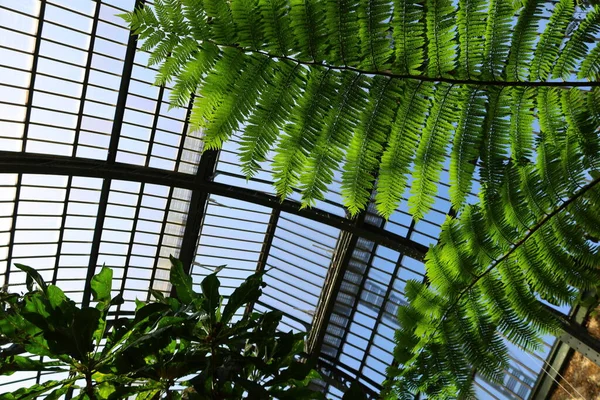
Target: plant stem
[(423, 78), (519, 243), (89, 385)]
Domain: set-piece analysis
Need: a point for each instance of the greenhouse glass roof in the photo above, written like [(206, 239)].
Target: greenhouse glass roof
[(95, 169)]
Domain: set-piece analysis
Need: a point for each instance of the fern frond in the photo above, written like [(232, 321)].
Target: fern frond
[(191, 74), (328, 153), (470, 20), (581, 124), (497, 38), (432, 149), (308, 28), (222, 27), (550, 116), (238, 101), (466, 144), (367, 143), (372, 22), (274, 107), (494, 151), (193, 10), (342, 25), (215, 88), (409, 36), (300, 135), (182, 53), (576, 47), (521, 125), (523, 39), (248, 23), (548, 47), (276, 25), (441, 48), (400, 150)]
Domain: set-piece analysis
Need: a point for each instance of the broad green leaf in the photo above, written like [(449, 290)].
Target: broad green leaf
[(85, 324), (12, 364), (181, 281), (210, 290), (102, 284), (56, 296), (249, 291), (32, 275)]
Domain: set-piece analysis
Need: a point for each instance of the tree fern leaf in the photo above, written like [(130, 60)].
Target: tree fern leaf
[(497, 38), (181, 55), (478, 242), (550, 116), (548, 47), (502, 313), (217, 84), (466, 142), (222, 27), (521, 125), (366, 147), (496, 128), (193, 10), (328, 153), (300, 134), (470, 19), (342, 25), (581, 124), (576, 47), (248, 23), (238, 101), (373, 17), (276, 25), (523, 40), (441, 37), (534, 191), (523, 301), (188, 80), (308, 28), (516, 211), (273, 109), (409, 36), (432, 148), (400, 150)]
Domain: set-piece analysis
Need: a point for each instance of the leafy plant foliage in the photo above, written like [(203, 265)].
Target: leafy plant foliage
[(192, 341), (381, 86)]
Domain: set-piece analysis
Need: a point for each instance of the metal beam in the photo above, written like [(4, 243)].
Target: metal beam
[(111, 158), (265, 250), (60, 165), (560, 353), (335, 275), (198, 202)]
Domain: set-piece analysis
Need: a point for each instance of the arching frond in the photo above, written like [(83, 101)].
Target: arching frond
[(470, 19), (328, 152), (269, 117), (409, 36), (524, 37), (466, 144), (300, 136), (439, 15), (375, 46), (367, 143), (401, 147), (521, 125), (494, 151), (548, 47), (432, 149), (307, 26), (576, 46), (497, 38), (342, 25)]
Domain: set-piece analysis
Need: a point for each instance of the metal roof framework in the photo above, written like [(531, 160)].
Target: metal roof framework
[(96, 169)]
